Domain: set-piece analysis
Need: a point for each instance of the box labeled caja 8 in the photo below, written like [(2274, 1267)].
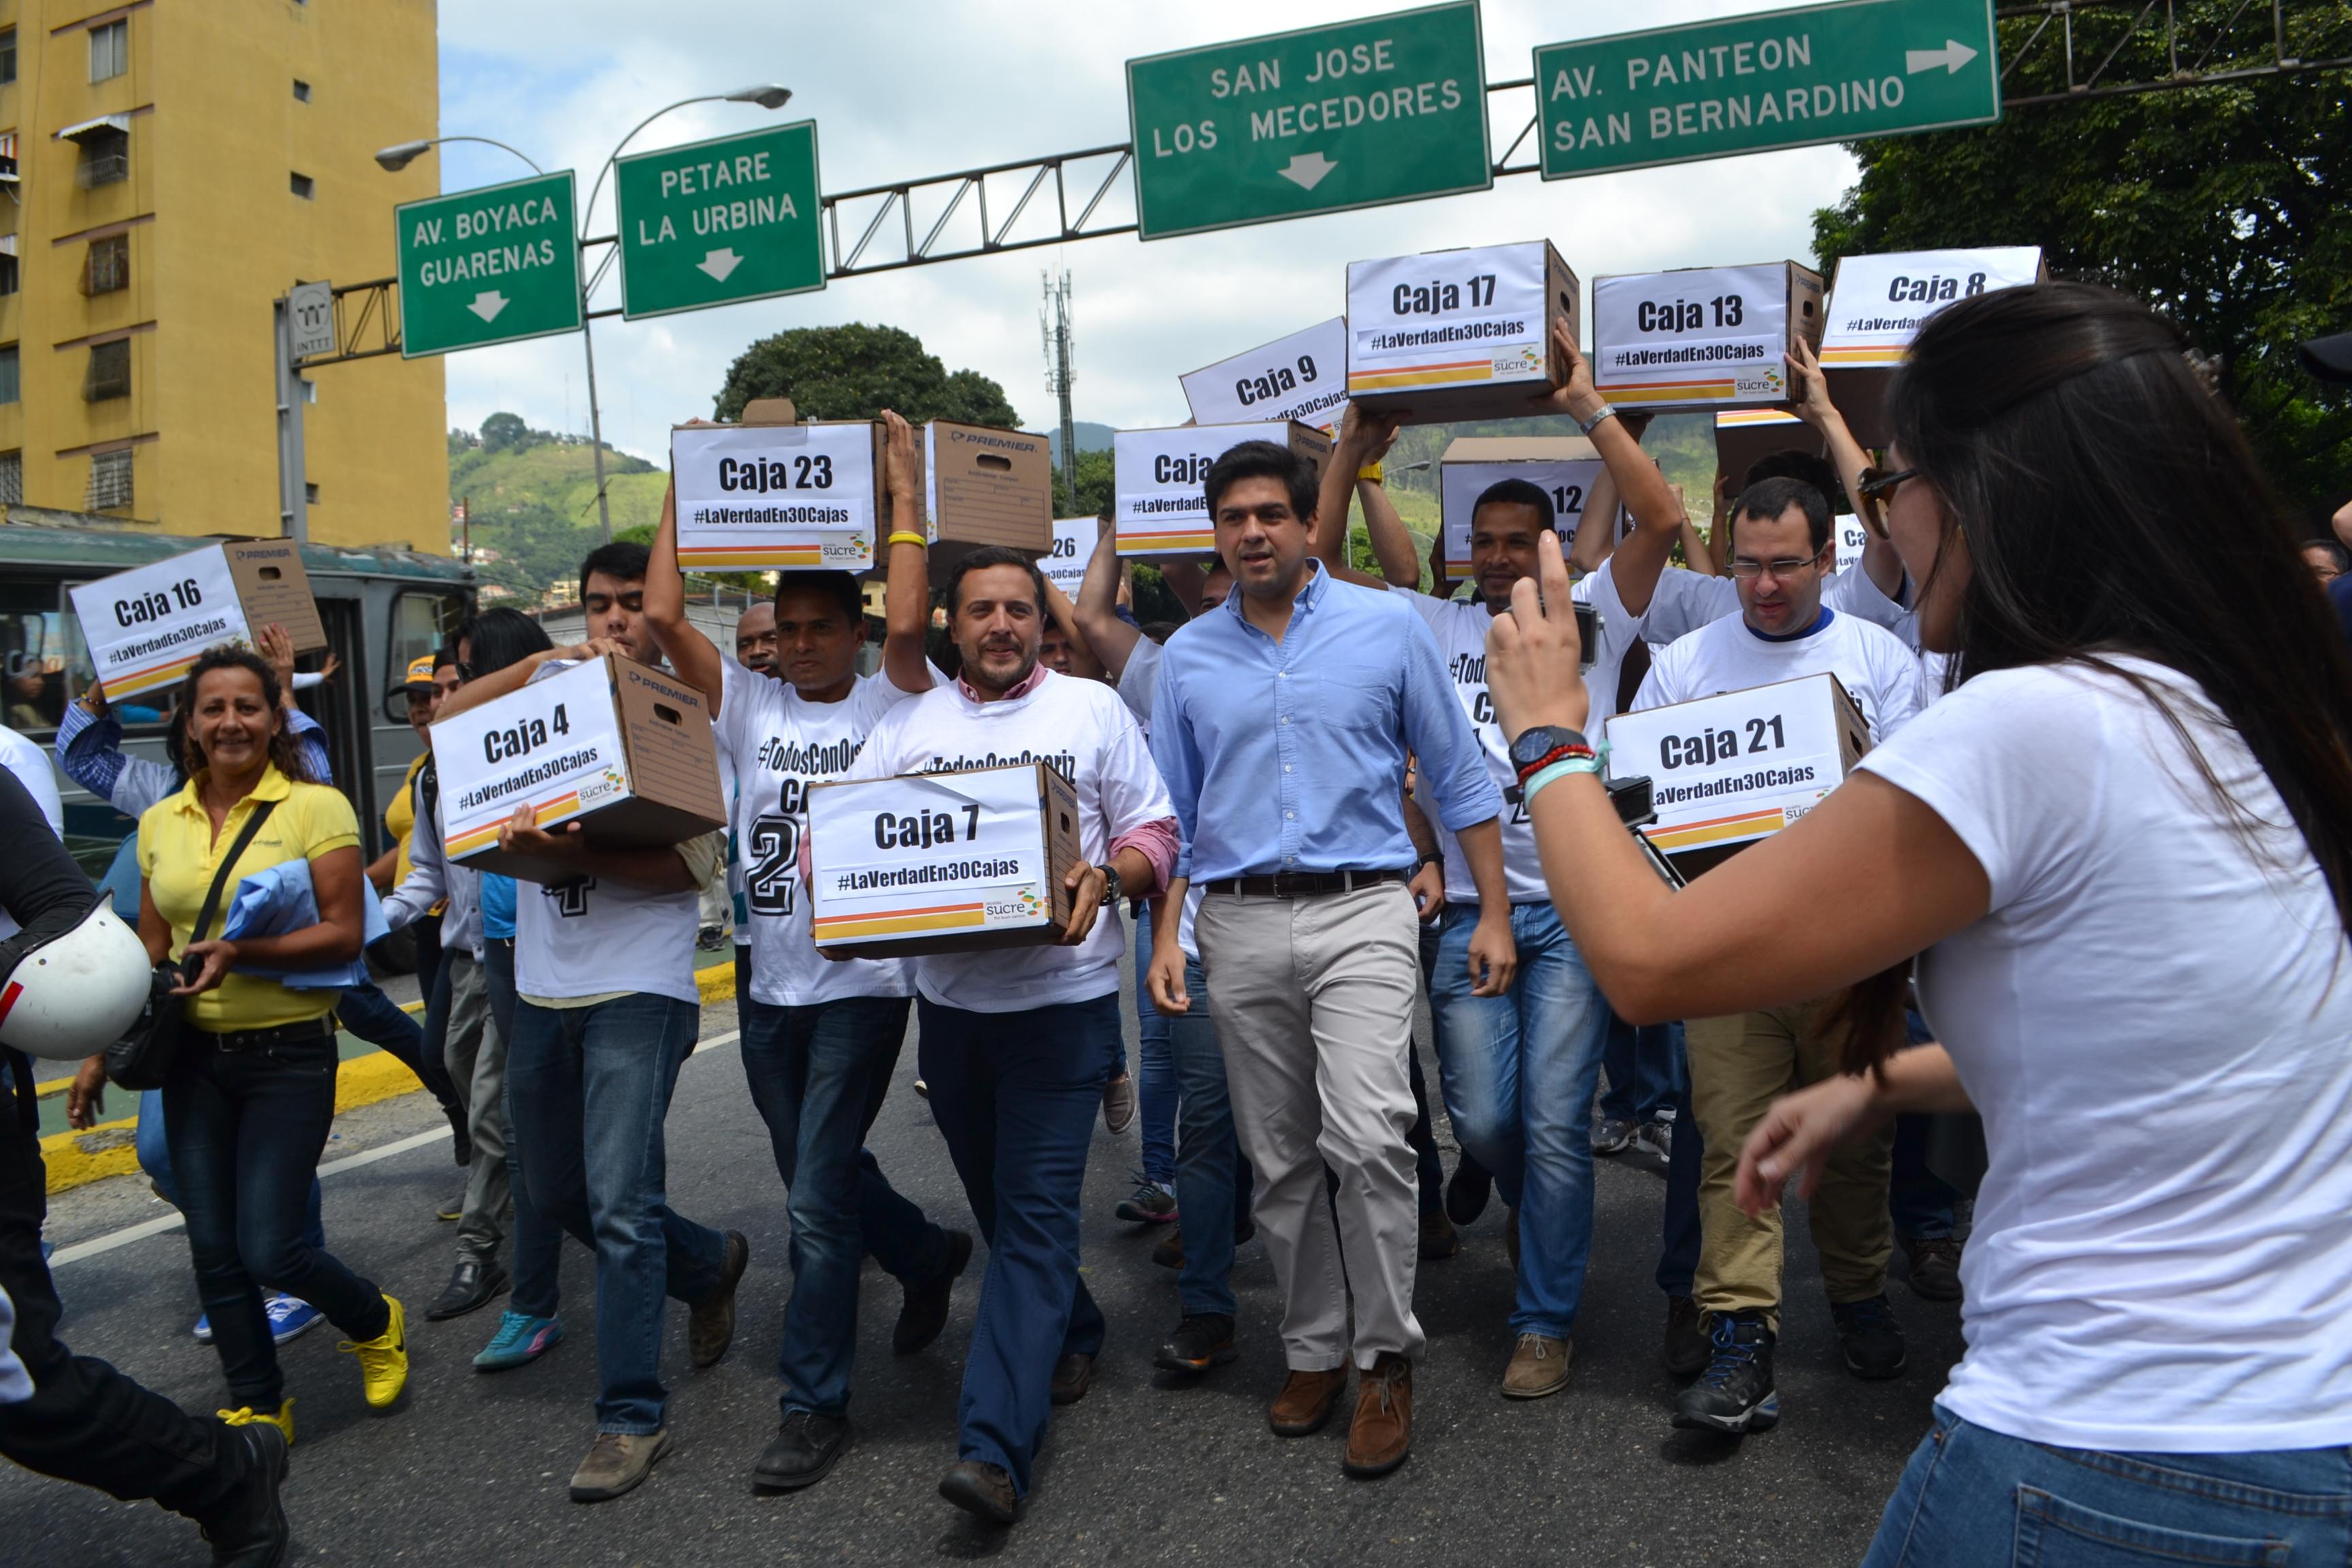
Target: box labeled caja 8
[(1458, 334), (1703, 337), (146, 626), (1159, 507), (1880, 303)]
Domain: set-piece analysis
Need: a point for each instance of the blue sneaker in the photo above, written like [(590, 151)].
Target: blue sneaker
[(203, 1329), (289, 1317), (522, 1338)]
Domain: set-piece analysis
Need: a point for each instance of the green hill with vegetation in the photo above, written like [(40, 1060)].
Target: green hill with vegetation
[(531, 498)]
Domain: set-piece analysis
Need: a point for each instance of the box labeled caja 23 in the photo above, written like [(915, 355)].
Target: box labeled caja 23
[(1458, 334), (1158, 506), (1727, 770), (146, 626), (625, 749), (1703, 337), (946, 862), (771, 494)]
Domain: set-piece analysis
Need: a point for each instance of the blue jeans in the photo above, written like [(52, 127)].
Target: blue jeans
[(1211, 1178), (1519, 1072), (1015, 1095), (818, 1076), (1973, 1499), (538, 1241), (246, 1129), (374, 1017), (1640, 1064), (588, 1088), (155, 1158), (1156, 1092), (1678, 1235)]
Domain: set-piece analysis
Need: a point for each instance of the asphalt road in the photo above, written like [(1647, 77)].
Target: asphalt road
[(471, 1469)]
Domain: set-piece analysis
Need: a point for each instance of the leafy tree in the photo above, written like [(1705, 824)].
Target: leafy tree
[(505, 432), (2224, 208), (855, 372), (1094, 474)]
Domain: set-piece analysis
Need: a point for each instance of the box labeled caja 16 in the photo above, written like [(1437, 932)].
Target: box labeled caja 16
[(626, 750), (1562, 466), (946, 862), (1458, 334), (146, 626), (771, 494), (1159, 508), (1729, 770), (1703, 337)]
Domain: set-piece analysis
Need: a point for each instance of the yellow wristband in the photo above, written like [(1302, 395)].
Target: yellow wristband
[(904, 537), (1370, 472)]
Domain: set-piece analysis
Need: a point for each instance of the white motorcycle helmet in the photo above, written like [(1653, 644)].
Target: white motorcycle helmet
[(74, 996)]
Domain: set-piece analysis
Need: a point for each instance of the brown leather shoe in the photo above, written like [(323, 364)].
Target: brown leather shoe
[(1305, 1402), (1538, 1367), (1382, 1436)]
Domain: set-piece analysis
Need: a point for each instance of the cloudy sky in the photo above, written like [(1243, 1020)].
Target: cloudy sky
[(902, 89)]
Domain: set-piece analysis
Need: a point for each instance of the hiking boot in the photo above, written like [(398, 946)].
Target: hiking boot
[(1305, 1402), (924, 1311), (522, 1338), (1438, 1240), (282, 1418), (1168, 1251), (1935, 1268), (1538, 1367), (803, 1451), (1201, 1341), (1686, 1349), (617, 1462), (1119, 1102), (1073, 1375), (250, 1531), (1151, 1203), (1380, 1437), (1467, 1192), (1868, 1338), (1734, 1392), (383, 1359), (710, 1322), (983, 1490)]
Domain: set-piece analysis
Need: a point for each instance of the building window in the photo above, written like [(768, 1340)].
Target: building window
[(11, 385), (110, 372), (8, 283), (301, 90), (310, 493), (12, 479), (110, 480), (105, 157), (7, 55), (301, 186), (110, 50), (107, 265)]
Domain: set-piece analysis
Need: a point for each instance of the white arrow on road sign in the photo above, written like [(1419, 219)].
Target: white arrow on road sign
[(1951, 57), (719, 264), (1307, 170), (487, 304)]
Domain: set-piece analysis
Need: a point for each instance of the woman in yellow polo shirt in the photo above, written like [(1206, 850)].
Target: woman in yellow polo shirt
[(252, 1090)]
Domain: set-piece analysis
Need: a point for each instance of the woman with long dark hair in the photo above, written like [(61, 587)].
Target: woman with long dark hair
[(2121, 847)]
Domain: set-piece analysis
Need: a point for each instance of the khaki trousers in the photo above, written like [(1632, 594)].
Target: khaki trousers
[(1738, 1066), (1313, 1002)]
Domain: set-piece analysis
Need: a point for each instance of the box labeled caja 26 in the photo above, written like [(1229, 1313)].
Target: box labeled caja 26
[(1159, 507), (947, 862), (1729, 770), (1703, 337), (146, 626), (1458, 334), (626, 750)]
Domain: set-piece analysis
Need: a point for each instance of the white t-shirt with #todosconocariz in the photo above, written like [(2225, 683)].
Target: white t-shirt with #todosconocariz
[(1877, 671), (2155, 1019)]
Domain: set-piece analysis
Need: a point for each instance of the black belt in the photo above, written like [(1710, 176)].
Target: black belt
[(1301, 884), (257, 1039)]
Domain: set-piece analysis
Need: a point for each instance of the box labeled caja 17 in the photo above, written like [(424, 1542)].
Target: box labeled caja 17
[(1703, 337), (1458, 334), (1159, 507), (1879, 304), (146, 626), (771, 494), (625, 749), (986, 486), (947, 862), (1563, 468), (1726, 771)]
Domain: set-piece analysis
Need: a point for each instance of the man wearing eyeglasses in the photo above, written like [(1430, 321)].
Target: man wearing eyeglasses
[(1780, 549)]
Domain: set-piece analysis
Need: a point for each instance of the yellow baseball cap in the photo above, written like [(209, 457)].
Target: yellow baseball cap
[(420, 672)]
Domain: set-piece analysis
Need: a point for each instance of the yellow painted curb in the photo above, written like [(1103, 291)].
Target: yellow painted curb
[(717, 983)]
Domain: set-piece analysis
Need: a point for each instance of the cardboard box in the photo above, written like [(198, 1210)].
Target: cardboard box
[(1746, 437), (1458, 334), (1303, 376), (146, 626), (1726, 771), (771, 494), (626, 750), (1703, 337), (1074, 545), (949, 862), (1878, 305), (1562, 466), (1159, 507), (984, 486)]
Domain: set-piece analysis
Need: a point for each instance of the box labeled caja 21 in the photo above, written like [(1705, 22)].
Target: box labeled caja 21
[(146, 626), (946, 862), (1729, 770), (626, 750)]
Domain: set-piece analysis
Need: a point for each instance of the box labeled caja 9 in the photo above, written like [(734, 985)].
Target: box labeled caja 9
[(946, 862), (1303, 376), (1703, 337), (1159, 508), (625, 749), (146, 626), (1563, 468), (1458, 334), (770, 494)]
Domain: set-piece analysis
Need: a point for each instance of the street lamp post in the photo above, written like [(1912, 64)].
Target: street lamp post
[(767, 95)]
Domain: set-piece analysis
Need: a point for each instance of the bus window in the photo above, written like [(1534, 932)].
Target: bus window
[(421, 624), (32, 656)]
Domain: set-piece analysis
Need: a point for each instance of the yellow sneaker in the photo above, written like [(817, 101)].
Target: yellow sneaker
[(383, 1359), (282, 1418)]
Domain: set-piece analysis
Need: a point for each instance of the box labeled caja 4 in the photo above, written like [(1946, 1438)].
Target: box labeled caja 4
[(1880, 303), (947, 862), (770, 494), (1703, 337), (1563, 468), (1458, 334), (146, 626), (1729, 770), (984, 487), (1159, 508), (626, 750)]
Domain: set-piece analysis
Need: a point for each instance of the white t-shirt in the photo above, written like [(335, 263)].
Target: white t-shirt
[(1619, 632), (2157, 1026), (782, 743), (1083, 728), (1460, 627), (1878, 672), (31, 766), (592, 937), (1686, 600)]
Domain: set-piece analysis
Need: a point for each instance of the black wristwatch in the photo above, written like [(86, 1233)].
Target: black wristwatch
[(1113, 889), (1539, 740)]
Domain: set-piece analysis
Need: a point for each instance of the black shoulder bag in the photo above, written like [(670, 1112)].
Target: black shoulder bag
[(143, 1058)]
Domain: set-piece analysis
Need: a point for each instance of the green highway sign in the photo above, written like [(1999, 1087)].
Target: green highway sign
[(1387, 108), (487, 266), (716, 223), (1781, 79)]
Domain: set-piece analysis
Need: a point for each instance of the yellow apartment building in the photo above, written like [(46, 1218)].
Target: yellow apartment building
[(168, 168)]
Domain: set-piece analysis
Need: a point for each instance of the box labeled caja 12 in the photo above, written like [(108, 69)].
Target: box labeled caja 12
[(1703, 337), (146, 626), (986, 486), (1879, 304), (1159, 507), (947, 862), (771, 494), (626, 750), (1458, 334), (1563, 468), (1729, 770)]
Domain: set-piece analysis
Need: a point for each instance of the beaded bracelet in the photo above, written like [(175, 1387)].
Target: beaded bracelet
[(1557, 770)]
